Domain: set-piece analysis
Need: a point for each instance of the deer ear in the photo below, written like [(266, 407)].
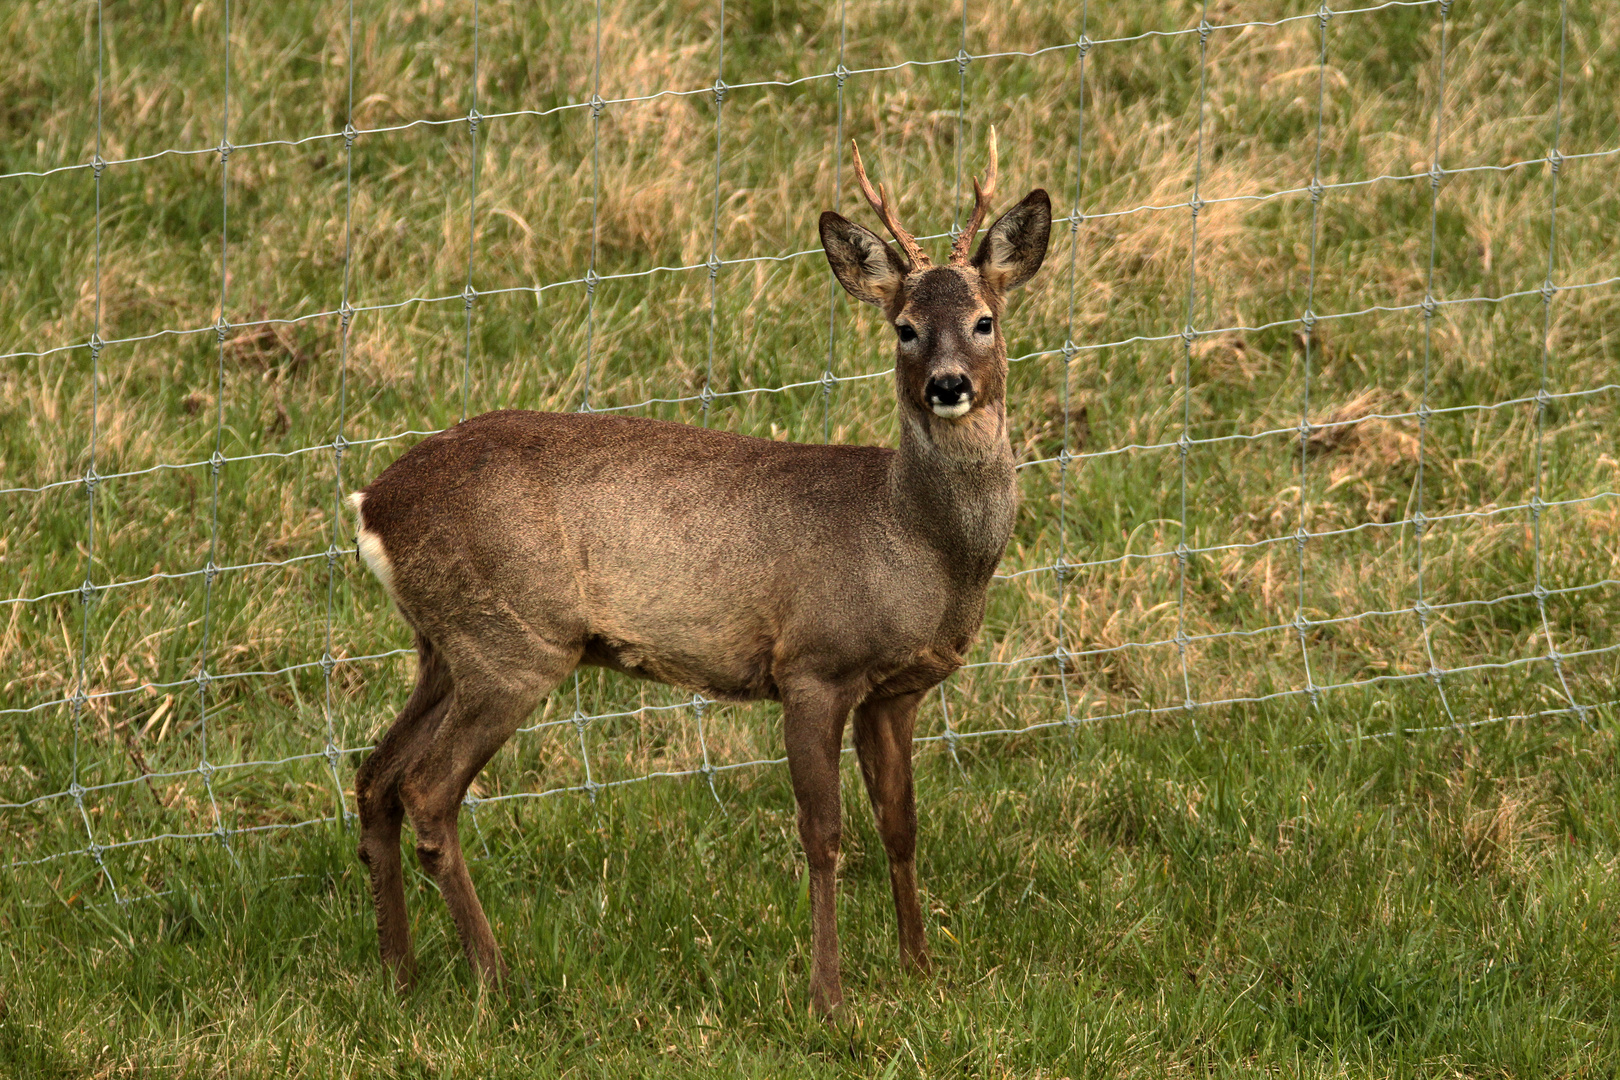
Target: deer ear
[(1012, 250), (864, 265)]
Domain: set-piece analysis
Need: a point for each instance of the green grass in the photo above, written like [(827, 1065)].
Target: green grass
[(1134, 905), (1134, 894)]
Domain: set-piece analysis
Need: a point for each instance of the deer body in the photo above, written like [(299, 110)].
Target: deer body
[(520, 545), (719, 563)]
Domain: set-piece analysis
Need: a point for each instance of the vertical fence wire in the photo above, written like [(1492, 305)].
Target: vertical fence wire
[(1302, 623), (345, 327), (707, 397), (1548, 290), (1189, 334), (468, 295), (1425, 414), (962, 60), (205, 769), (1076, 217), (591, 280), (829, 379), (87, 591), (698, 701)]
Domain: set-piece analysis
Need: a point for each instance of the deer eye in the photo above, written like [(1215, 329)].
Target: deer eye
[(906, 333), (983, 325)]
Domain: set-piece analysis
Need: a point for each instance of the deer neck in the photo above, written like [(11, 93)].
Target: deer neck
[(955, 487)]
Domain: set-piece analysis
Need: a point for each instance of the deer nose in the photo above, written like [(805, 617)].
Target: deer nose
[(949, 395)]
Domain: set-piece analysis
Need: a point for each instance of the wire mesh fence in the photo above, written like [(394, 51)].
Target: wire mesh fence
[(1185, 555)]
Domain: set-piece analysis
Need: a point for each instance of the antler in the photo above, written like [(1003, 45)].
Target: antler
[(880, 205), (982, 198)]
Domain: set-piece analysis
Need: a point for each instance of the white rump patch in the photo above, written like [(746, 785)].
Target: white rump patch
[(953, 411), (371, 545)]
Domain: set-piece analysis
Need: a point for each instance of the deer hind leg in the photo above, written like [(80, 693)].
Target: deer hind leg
[(883, 743), (486, 707), (381, 811), (813, 727)]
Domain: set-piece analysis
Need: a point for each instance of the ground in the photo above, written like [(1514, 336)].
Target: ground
[(1181, 860)]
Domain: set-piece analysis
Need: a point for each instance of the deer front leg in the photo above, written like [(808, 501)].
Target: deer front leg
[(813, 722), (883, 744)]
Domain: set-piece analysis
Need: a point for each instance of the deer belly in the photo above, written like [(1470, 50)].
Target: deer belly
[(725, 674)]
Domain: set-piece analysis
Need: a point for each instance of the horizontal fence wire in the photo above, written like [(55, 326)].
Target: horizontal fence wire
[(206, 673)]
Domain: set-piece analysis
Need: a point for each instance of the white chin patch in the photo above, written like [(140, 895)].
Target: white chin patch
[(951, 412)]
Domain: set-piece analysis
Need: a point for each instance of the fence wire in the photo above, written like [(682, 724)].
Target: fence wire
[(203, 677)]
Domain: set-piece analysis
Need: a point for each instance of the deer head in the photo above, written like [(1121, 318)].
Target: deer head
[(950, 356)]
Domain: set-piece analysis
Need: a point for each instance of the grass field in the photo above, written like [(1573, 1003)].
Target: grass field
[(1266, 882)]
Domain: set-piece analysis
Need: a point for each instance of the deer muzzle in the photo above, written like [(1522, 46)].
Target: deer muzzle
[(949, 396)]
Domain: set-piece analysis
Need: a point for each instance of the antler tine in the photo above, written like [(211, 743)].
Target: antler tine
[(983, 196), (880, 205)]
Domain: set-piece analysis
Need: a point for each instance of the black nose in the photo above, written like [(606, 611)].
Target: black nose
[(948, 389)]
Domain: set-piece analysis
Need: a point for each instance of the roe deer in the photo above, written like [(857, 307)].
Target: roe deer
[(519, 545)]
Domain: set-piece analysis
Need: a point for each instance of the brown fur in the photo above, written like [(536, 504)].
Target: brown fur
[(519, 545)]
